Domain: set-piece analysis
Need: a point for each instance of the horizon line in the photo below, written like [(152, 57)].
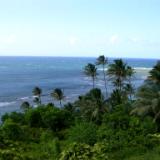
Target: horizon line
[(41, 56)]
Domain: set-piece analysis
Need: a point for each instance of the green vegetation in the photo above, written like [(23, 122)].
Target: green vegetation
[(101, 60), (91, 71), (58, 95), (37, 93), (123, 126)]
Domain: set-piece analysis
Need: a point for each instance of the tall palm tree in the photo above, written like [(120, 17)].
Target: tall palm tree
[(101, 60), (129, 72), (99, 105), (117, 97), (58, 95), (117, 71), (91, 71), (37, 92), (148, 102), (129, 89), (92, 105), (25, 106), (148, 95), (155, 73)]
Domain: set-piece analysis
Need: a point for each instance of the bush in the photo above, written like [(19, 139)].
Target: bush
[(46, 136), (142, 126), (9, 155), (33, 118), (15, 117), (48, 117), (79, 151), (83, 133), (12, 130), (56, 119)]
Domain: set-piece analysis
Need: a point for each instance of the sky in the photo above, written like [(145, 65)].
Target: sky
[(85, 28)]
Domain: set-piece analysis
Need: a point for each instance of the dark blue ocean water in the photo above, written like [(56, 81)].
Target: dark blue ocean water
[(19, 75)]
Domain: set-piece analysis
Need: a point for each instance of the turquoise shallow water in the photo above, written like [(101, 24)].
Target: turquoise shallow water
[(18, 76)]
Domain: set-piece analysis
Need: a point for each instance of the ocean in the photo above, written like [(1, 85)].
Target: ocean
[(19, 75)]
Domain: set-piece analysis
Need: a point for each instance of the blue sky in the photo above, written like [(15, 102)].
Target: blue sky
[(116, 28)]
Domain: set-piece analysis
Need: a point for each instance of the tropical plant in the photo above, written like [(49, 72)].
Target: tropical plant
[(148, 95), (117, 97), (100, 104), (17, 117), (101, 60), (91, 71), (117, 71), (37, 92), (34, 118), (83, 132), (58, 95), (25, 106), (130, 72), (12, 130), (155, 73), (70, 108), (92, 105), (129, 90), (148, 102), (80, 151), (56, 119)]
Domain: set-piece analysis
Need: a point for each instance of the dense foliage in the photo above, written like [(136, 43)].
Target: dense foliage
[(117, 126)]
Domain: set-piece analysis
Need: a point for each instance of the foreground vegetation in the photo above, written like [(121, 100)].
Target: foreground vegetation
[(123, 125)]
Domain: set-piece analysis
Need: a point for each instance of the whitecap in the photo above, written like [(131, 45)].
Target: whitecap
[(3, 104), (101, 69), (24, 98), (143, 68)]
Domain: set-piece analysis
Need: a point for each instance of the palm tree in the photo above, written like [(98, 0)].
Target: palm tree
[(101, 60), (99, 106), (148, 102), (37, 92), (117, 71), (25, 106), (92, 106), (129, 89), (129, 72), (117, 97), (149, 95), (58, 95), (91, 71), (155, 73)]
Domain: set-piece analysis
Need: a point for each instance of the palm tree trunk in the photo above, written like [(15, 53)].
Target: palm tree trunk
[(39, 99), (105, 82), (130, 96), (93, 82), (130, 83), (156, 117), (120, 84), (60, 102)]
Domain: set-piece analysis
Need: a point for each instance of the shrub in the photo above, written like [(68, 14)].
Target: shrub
[(83, 133), (12, 130), (79, 151), (33, 118), (15, 117)]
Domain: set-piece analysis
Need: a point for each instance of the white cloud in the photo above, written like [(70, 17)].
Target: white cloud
[(9, 39), (144, 42), (73, 40), (114, 39), (134, 40)]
